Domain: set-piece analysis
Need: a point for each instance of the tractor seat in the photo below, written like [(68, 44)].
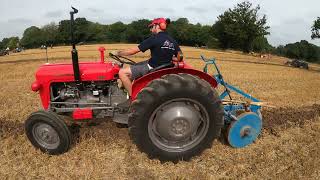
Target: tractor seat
[(170, 64)]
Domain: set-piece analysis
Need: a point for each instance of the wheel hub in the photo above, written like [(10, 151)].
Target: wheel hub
[(176, 121), (46, 136), (178, 124), (244, 130)]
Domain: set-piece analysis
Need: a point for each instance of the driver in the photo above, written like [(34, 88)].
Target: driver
[(163, 50)]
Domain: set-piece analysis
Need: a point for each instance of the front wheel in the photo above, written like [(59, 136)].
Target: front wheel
[(48, 132), (176, 117)]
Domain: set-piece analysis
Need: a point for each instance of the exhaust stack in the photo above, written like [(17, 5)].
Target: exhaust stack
[(74, 52)]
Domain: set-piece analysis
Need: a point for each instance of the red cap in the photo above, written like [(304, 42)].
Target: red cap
[(158, 21)]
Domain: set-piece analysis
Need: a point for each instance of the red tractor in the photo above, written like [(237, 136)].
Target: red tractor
[(175, 113)]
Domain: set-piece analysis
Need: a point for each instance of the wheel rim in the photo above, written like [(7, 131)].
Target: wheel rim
[(46, 136), (178, 125)]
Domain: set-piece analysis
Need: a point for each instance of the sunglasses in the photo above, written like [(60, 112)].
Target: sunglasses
[(151, 27)]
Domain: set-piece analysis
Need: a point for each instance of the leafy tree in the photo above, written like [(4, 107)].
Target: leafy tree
[(50, 33), (64, 32), (32, 37), (192, 36), (2, 46), (137, 31), (280, 50), (315, 29), (300, 50), (81, 32), (13, 43), (239, 27), (205, 37), (261, 44), (96, 32), (293, 51), (115, 32), (179, 30), (4, 43), (225, 41)]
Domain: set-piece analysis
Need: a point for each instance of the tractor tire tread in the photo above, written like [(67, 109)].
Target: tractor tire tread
[(162, 90)]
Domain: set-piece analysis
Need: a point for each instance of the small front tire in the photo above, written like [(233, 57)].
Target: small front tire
[(48, 132)]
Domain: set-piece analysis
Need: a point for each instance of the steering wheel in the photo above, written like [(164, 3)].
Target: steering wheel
[(122, 59)]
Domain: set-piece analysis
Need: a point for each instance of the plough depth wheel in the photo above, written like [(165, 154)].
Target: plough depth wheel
[(244, 130)]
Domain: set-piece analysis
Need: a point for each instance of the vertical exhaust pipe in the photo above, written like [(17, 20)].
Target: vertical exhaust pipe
[(74, 52)]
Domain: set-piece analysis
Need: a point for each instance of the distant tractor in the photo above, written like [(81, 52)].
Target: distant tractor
[(297, 63)]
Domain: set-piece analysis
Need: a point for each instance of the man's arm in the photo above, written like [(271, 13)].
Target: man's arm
[(128, 52), (178, 55)]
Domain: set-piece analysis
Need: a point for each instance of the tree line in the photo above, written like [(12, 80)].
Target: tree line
[(241, 28)]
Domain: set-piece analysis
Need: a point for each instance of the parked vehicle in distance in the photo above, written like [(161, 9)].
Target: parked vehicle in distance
[(297, 63)]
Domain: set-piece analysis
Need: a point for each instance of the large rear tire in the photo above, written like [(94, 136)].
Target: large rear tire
[(176, 117), (48, 132)]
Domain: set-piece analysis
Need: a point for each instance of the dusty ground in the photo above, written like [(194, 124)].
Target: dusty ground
[(287, 149)]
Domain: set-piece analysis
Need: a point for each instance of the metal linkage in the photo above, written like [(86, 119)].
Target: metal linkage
[(218, 76), (231, 107)]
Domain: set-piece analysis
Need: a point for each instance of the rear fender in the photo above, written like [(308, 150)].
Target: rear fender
[(145, 80)]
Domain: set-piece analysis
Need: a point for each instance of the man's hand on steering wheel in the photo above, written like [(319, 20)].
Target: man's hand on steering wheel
[(115, 55)]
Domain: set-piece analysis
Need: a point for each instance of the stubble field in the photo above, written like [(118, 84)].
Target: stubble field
[(287, 149)]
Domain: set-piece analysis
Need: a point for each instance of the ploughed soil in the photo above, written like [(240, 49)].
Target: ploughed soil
[(284, 118)]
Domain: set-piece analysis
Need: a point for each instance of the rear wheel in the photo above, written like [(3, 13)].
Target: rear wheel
[(175, 117), (48, 132)]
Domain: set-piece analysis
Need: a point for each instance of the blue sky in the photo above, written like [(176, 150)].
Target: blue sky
[(289, 20)]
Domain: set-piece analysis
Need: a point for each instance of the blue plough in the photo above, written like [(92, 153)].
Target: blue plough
[(243, 120)]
